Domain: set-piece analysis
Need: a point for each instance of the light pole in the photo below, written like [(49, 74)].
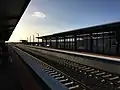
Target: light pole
[(30, 40), (33, 39), (38, 38), (27, 39)]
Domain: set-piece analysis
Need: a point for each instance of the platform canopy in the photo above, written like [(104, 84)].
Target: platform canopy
[(10, 14), (115, 26)]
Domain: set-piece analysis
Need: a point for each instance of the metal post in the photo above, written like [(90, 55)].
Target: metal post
[(117, 47), (104, 42), (97, 43), (33, 39), (27, 39), (64, 42), (38, 38), (30, 40), (117, 33), (42, 42), (46, 42), (91, 42), (50, 42), (75, 42), (56, 42)]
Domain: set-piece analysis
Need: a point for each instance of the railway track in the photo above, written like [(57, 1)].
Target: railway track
[(63, 78), (77, 76)]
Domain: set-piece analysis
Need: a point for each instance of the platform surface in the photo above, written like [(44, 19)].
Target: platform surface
[(16, 76)]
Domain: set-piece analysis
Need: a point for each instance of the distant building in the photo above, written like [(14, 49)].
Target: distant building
[(24, 41)]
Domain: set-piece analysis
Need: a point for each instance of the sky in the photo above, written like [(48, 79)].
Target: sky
[(52, 16)]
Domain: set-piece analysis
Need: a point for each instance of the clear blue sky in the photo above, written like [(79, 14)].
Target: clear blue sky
[(51, 16)]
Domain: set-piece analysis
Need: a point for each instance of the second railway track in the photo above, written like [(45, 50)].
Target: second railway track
[(76, 76)]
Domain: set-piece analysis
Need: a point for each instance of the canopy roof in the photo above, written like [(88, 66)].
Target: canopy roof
[(94, 29), (10, 14)]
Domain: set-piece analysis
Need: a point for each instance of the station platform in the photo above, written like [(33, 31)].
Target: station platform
[(16, 76), (111, 58), (102, 55)]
